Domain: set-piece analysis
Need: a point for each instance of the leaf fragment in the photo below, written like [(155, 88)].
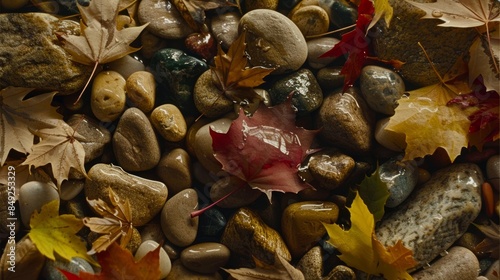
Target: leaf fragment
[(374, 193), (280, 270)]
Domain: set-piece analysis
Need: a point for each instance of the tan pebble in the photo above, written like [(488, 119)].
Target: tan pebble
[(169, 122), (179, 271), (191, 133), (150, 245), (261, 4), (208, 98), (176, 221), (311, 264), (311, 20), (108, 96), (203, 143), (205, 257), (174, 169), (423, 175), (141, 90)]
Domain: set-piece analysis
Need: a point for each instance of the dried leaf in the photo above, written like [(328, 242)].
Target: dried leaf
[(18, 116), (374, 193), (52, 232), (193, 11), (361, 249), (481, 63), (491, 244), (265, 150), (60, 147), (281, 270), (119, 264), (382, 8), (116, 222)]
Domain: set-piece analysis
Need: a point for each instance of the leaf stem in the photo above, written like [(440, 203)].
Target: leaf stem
[(430, 62), (88, 82), (201, 211)]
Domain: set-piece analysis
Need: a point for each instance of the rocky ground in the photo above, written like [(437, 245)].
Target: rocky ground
[(146, 122)]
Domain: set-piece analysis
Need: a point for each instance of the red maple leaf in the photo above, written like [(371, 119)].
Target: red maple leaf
[(265, 150), (356, 44), (118, 263)]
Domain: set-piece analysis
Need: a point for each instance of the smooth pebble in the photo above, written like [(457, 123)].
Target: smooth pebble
[(96, 135), (174, 169), (126, 66), (141, 90), (176, 221), (316, 48), (493, 171), (150, 245), (164, 19), (381, 88), (400, 178), (225, 28), (310, 19), (32, 196), (206, 258), (107, 98), (330, 168), (169, 122)]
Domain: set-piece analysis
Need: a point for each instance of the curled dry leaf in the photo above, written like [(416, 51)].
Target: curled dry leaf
[(280, 270), (193, 11), (116, 222)]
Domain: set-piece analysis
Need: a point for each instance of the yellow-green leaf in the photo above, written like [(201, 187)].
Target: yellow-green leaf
[(382, 8), (374, 193), (54, 233)]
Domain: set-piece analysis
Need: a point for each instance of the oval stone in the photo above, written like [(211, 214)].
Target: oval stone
[(400, 178), (493, 171), (205, 257), (134, 142), (169, 122), (436, 214), (302, 224), (209, 99), (141, 90), (317, 47), (225, 28), (174, 169), (150, 245), (381, 88), (164, 19), (310, 19), (176, 221), (146, 197), (330, 168), (32, 196), (274, 41), (96, 136), (107, 98)]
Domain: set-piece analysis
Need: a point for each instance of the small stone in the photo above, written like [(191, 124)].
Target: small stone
[(146, 197), (302, 224), (346, 121), (209, 99), (436, 214), (169, 122), (330, 168), (27, 260), (107, 98), (202, 45), (174, 169), (74, 266), (311, 264), (227, 184), (164, 19), (310, 19), (203, 144), (134, 142), (330, 78), (307, 94), (470, 240), (225, 28), (32, 196), (176, 221), (71, 188), (260, 4), (342, 12), (381, 88), (179, 271), (126, 65), (317, 47), (150, 245), (493, 171), (400, 178), (211, 225), (459, 263), (32, 56), (206, 257), (246, 235), (273, 41), (96, 136), (141, 90), (341, 272)]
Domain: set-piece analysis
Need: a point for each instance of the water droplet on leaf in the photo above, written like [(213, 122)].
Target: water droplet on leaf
[(437, 13)]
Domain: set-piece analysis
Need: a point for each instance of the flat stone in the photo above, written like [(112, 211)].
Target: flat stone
[(31, 55), (330, 168), (330, 78), (32, 196), (146, 197), (174, 169), (69, 189), (176, 221), (436, 214), (150, 245), (381, 88), (141, 90), (164, 19), (134, 142), (169, 122), (96, 135), (107, 97), (205, 257)]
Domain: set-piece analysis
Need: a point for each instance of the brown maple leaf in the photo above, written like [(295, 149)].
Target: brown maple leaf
[(101, 41), (193, 11), (116, 222), (18, 115), (59, 146)]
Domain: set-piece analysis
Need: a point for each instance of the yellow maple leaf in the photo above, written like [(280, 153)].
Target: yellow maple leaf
[(382, 8), (361, 249), (52, 232)]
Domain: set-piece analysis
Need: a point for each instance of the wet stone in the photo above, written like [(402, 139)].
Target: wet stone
[(179, 271), (202, 145), (307, 94), (32, 196), (150, 245), (75, 265), (381, 88), (225, 28), (176, 221), (311, 264), (227, 184), (134, 142), (126, 65), (310, 19), (330, 168), (174, 169), (342, 12), (209, 99), (141, 90), (69, 189), (400, 178), (211, 225), (164, 19), (96, 136), (205, 257), (317, 47), (169, 122), (330, 78), (107, 98), (436, 214), (201, 45)]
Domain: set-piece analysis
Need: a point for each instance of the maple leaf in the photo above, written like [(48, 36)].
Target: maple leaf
[(265, 150), (18, 116), (118, 263), (193, 11), (491, 243), (281, 269), (101, 41), (231, 74), (484, 57), (116, 222), (60, 147), (374, 193), (428, 122), (51, 232), (382, 8), (360, 248)]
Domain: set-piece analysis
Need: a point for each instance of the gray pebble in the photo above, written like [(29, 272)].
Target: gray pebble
[(32, 196), (400, 177), (381, 88), (176, 221)]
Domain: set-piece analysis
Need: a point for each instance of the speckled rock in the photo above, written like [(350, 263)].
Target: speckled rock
[(96, 136), (174, 169), (32, 196), (274, 41), (330, 168), (164, 19), (247, 235), (209, 99), (107, 98), (179, 271), (400, 178), (302, 224), (205, 257), (381, 88), (310, 19), (75, 265), (346, 121), (169, 122), (330, 78), (317, 47), (150, 245), (460, 264), (493, 171), (225, 28), (436, 214), (146, 196), (134, 142), (311, 264), (32, 56), (444, 45), (307, 94), (141, 90), (341, 272), (176, 221)]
